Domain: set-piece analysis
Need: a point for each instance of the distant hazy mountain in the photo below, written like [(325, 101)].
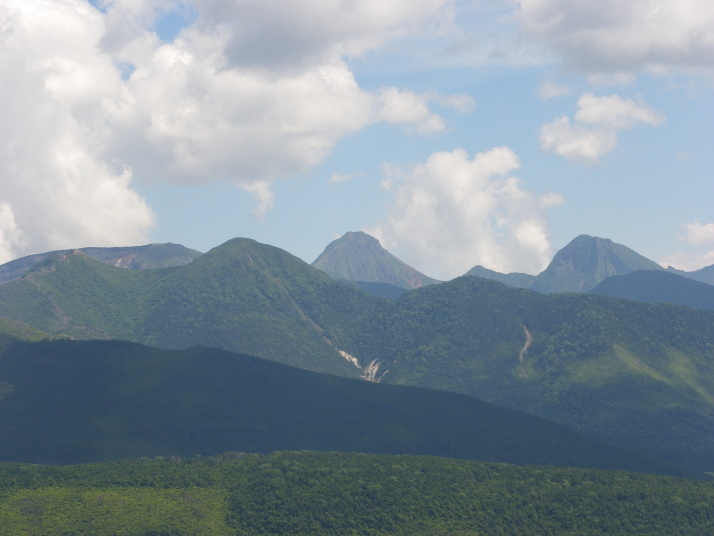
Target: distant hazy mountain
[(360, 257), (513, 279), (586, 261), (703, 275), (132, 257), (578, 267), (626, 372), (658, 286)]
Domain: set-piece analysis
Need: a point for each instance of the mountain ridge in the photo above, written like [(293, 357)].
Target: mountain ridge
[(359, 257), (131, 257), (468, 335), (652, 286)]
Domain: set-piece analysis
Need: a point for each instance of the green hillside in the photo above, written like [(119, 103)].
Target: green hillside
[(85, 401), (242, 296), (626, 372), (305, 493), (622, 371), (360, 257)]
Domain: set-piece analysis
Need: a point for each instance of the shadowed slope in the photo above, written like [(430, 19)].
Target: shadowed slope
[(81, 401)]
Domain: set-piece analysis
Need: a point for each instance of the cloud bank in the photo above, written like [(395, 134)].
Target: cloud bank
[(614, 37), (451, 213), (593, 133), (250, 91), (57, 187)]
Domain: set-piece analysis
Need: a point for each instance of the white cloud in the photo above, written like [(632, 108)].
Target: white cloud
[(615, 113), (594, 130), (249, 92), (407, 108), (263, 196), (688, 262), (699, 234), (57, 189), (451, 213), (549, 89), (289, 34), (611, 36), (464, 104), (576, 142), (696, 234)]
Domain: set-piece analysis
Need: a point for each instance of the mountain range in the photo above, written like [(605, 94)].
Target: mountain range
[(586, 264), (133, 257), (625, 372)]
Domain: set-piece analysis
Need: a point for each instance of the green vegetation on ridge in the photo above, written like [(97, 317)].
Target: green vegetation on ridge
[(631, 373)]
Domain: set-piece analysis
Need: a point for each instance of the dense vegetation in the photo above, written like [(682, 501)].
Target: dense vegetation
[(640, 374), (315, 494), (84, 401), (622, 371)]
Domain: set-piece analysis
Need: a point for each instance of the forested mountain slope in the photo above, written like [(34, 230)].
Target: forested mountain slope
[(85, 401), (626, 372)]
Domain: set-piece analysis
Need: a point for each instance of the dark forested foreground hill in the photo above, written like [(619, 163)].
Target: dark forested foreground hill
[(305, 493), (631, 373), (85, 401)]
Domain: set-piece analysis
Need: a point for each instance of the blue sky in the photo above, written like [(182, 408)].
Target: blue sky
[(457, 132)]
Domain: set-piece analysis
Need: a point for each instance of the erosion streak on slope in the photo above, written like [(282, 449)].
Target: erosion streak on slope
[(314, 325), (529, 340), (369, 372)]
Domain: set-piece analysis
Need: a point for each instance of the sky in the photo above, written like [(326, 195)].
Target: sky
[(457, 132)]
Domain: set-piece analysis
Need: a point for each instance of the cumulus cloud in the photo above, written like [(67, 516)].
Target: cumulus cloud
[(407, 108), (57, 189), (615, 113), (611, 36), (287, 35), (596, 124), (451, 213), (249, 92), (688, 261), (699, 234)]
